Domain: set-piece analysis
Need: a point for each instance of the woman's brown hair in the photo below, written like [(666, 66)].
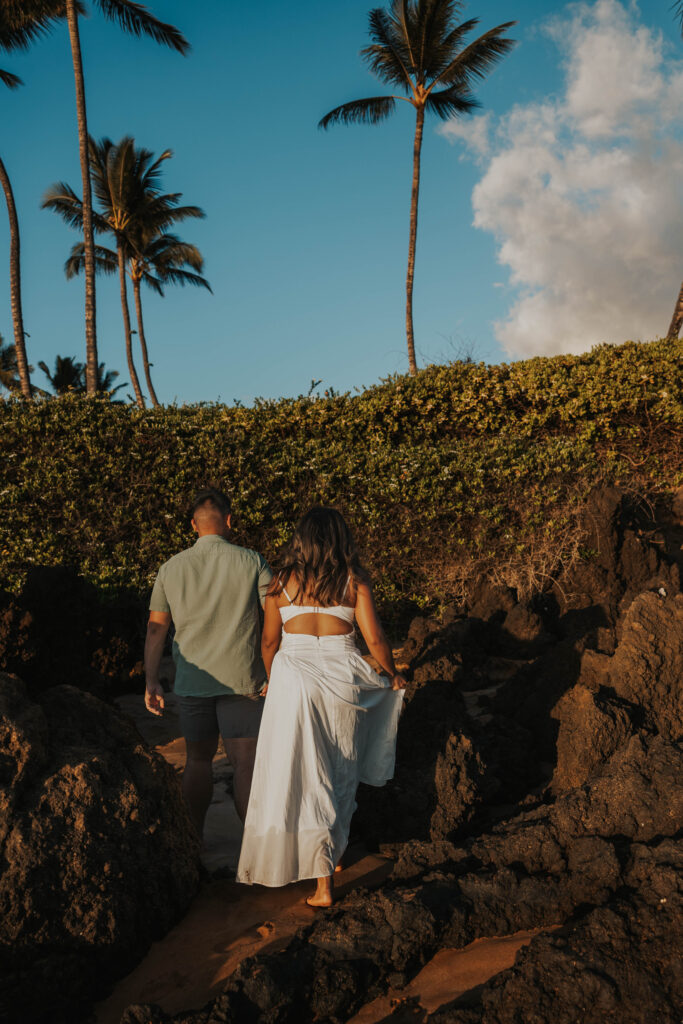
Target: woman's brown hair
[(321, 556)]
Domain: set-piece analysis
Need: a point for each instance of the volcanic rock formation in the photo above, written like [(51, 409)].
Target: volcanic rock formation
[(538, 784), (97, 854)]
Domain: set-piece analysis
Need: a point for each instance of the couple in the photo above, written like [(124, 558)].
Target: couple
[(328, 720)]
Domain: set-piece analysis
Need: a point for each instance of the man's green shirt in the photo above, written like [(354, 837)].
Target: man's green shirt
[(213, 591)]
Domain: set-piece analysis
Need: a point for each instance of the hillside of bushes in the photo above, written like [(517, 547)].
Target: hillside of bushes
[(465, 469)]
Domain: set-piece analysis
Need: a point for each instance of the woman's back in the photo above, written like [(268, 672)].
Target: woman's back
[(302, 615)]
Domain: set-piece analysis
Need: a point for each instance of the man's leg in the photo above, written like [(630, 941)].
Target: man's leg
[(241, 753), (198, 779), (239, 718), (199, 726)]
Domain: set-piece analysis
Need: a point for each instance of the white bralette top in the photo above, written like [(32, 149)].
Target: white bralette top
[(340, 611)]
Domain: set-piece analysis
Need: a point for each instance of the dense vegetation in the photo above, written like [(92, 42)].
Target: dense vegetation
[(464, 469)]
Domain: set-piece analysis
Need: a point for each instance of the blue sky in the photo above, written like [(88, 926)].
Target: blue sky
[(305, 238)]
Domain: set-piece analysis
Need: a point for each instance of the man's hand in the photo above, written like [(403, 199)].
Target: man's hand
[(154, 698), (398, 682)]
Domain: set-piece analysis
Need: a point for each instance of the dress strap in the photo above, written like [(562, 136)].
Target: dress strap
[(348, 580), (283, 588)]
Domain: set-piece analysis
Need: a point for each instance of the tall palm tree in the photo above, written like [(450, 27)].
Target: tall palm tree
[(13, 82), (160, 259), (126, 182), (115, 189), (417, 46), (137, 20), (22, 21)]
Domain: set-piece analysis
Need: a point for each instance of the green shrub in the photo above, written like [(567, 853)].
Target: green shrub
[(465, 468)]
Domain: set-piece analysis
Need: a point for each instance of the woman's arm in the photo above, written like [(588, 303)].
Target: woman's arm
[(374, 636), (271, 634)]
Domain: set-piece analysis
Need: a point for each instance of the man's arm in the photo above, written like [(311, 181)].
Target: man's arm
[(265, 576), (157, 630)]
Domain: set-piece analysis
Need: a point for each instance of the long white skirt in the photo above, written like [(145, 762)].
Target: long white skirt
[(329, 722)]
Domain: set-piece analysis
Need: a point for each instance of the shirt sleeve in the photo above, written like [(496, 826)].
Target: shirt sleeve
[(265, 575), (158, 601)]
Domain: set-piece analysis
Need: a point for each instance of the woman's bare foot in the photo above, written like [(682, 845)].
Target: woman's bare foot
[(323, 895), (315, 904)]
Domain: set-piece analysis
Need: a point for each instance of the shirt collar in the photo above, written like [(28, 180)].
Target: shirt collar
[(211, 537)]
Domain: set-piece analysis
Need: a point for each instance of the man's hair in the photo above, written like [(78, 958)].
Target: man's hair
[(211, 498)]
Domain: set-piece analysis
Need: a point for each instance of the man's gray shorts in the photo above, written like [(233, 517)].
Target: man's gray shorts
[(234, 716)]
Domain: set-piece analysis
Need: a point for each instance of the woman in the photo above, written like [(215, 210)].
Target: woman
[(329, 720)]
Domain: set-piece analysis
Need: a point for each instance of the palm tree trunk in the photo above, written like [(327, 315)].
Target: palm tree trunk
[(126, 325), (143, 343), (15, 285), (677, 318), (417, 148), (88, 237)]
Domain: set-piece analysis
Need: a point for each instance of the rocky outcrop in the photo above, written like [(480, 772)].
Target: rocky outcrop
[(538, 784), (97, 854), (534, 871), (617, 964), (647, 668)]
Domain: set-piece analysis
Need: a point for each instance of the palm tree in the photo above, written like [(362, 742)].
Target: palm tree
[(417, 47), (12, 82), (126, 182), (22, 21), (115, 188), (137, 20), (160, 259), (69, 376)]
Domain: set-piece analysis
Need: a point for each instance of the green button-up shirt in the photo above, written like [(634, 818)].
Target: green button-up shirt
[(212, 591)]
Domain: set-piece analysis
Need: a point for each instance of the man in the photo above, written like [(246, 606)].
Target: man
[(211, 592)]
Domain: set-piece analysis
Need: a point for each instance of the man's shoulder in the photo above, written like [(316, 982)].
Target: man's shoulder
[(247, 556), (176, 560)]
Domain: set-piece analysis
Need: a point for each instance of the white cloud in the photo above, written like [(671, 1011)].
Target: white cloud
[(584, 193)]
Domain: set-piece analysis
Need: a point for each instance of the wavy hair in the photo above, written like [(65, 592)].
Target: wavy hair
[(321, 556)]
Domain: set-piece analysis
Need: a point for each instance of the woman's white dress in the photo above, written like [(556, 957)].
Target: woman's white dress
[(329, 722)]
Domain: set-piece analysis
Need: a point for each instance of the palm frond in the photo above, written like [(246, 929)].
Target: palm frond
[(433, 18), (403, 18), (388, 57), (367, 111), (172, 249), (63, 200), (10, 80), (150, 175), (160, 212), (678, 8), (480, 57), (137, 20), (23, 22), (183, 277), (106, 261), (446, 49), (451, 102), (153, 282)]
